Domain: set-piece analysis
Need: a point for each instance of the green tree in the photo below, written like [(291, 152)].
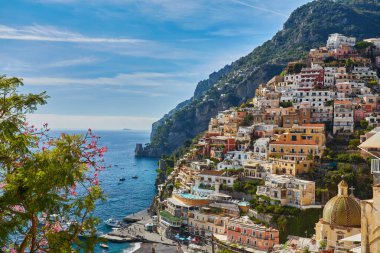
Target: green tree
[(286, 104), (364, 124), (44, 179)]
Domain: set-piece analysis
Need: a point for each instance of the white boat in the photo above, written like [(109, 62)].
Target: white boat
[(104, 246), (88, 234), (113, 223)]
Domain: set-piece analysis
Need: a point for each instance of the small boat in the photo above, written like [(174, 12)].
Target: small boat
[(113, 223), (135, 177), (104, 246), (87, 234), (122, 179)]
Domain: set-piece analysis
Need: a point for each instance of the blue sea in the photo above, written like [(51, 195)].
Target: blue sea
[(132, 195)]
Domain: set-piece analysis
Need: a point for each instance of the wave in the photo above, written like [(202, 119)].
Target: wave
[(135, 247)]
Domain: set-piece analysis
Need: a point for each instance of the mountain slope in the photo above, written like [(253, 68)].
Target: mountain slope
[(307, 27)]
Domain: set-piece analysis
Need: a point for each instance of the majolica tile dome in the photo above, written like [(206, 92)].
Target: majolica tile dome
[(342, 210)]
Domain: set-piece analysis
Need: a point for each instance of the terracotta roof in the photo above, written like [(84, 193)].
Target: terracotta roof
[(313, 125), (342, 102), (299, 142), (212, 172)]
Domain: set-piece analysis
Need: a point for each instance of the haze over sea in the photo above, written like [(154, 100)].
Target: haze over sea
[(132, 195)]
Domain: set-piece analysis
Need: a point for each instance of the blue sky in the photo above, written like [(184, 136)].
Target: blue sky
[(110, 64)]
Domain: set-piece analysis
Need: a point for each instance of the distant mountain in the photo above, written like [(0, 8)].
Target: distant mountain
[(307, 27)]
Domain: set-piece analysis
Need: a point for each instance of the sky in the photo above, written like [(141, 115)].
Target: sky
[(113, 64)]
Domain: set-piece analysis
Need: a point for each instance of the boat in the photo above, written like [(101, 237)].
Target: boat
[(87, 234), (113, 223), (104, 246), (122, 179), (135, 177)]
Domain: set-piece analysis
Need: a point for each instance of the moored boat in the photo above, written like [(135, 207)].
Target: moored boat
[(113, 223)]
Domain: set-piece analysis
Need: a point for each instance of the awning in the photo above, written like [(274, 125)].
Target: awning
[(353, 238), (356, 250), (372, 142)]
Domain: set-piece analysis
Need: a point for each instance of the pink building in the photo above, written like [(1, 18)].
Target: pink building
[(245, 232), (359, 114), (344, 87)]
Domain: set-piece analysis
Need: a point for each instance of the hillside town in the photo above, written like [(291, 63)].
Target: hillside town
[(244, 184)]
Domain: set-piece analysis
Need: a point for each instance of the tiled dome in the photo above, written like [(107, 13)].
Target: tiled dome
[(342, 210)]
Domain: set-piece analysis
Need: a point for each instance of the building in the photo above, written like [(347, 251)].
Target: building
[(288, 190), (212, 219), (314, 97), (341, 219), (245, 232), (336, 40), (311, 78), (220, 145), (186, 176), (304, 140), (291, 164), (257, 169), (343, 117), (260, 148), (212, 177), (207, 221), (322, 114)]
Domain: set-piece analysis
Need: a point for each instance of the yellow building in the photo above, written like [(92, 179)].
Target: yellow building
[(291, 165), (307, 139), (341, 219)]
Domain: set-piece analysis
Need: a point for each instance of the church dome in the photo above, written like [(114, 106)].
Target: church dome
[(342, 210)]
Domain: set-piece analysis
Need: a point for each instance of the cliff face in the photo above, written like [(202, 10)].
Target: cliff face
[(307, 27)]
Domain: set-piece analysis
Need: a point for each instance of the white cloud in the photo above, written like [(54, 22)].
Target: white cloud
[(141, 79), (79, 122), (53, 34), (74, 62)]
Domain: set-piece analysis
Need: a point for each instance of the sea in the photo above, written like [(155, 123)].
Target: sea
[(131, 195)]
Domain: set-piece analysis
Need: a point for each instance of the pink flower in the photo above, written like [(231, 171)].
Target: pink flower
[(18, 208), (57, 227), (2, 185)]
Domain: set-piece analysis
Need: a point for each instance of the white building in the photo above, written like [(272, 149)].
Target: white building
[(257, 169), (316, 98), (240, 156), (229, 165), (343, 117), (213, 177), (260, 148), (336, 40), (375, 41), (288, 190), (365, 73)]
